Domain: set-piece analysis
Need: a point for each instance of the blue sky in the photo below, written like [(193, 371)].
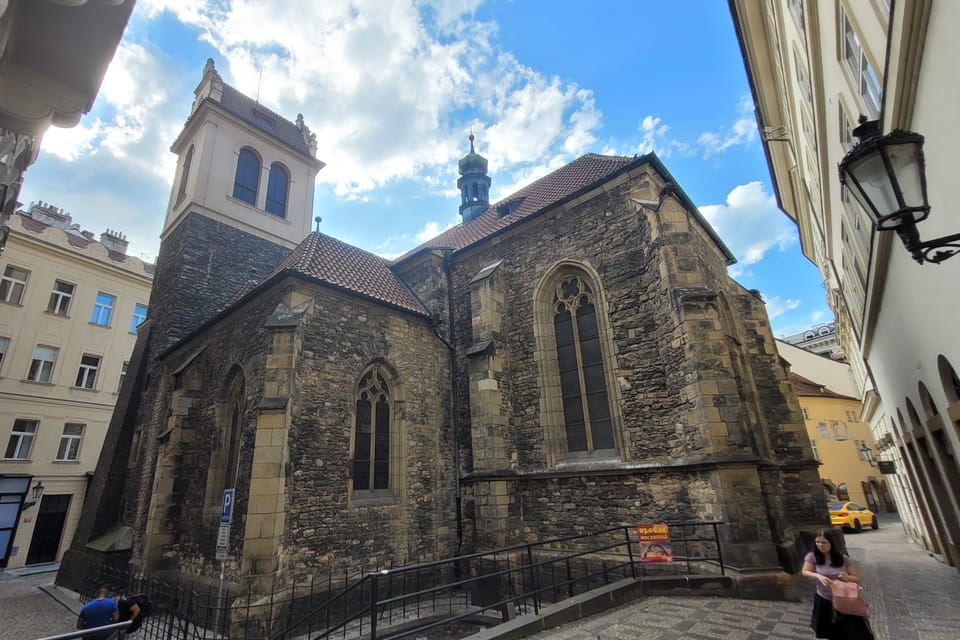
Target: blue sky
[(392, 89)]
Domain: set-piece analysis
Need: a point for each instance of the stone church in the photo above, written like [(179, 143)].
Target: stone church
[(569, 358)]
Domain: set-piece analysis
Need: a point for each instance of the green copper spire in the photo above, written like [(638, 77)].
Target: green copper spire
[(474, 184)]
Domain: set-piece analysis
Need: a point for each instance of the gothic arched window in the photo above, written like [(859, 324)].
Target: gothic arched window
[(580, 409), (248, 176), (222, 469), (371, 443), (277, 187), (586, 407)]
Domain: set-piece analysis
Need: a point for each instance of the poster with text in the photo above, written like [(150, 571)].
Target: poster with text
[(654, 543)]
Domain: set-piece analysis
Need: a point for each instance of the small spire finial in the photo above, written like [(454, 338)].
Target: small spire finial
[(317, 220), (471, 138)]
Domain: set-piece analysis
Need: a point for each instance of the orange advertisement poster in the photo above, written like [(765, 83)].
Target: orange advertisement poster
[(654, 543)]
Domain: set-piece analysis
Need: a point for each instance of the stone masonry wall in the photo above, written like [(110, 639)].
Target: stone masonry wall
[(340, 337), (183, 523), (202, 264), (650, 262)]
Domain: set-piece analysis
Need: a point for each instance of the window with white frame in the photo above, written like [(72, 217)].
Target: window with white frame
[(796, 8), (87, 374), (103, 309), (139, 315), (840, 430), (41, 367), (816, 450), (846, 131), (806, 414), (123, 374), (823, 431), (4, 345), (69, 449), (21, 440), (802, 80), (13, 284), (862, 74), (60, 298)]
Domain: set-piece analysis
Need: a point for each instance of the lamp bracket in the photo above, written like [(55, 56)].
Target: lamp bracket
[(933, 251)]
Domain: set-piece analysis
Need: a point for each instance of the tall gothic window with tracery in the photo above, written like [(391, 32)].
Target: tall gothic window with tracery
[(586, 407), (371, 458)]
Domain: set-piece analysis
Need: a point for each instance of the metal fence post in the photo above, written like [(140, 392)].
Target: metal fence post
[(533, 580), (373, 605), (633, 568), (716, 539)]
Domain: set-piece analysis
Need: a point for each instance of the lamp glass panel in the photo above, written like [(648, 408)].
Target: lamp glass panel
[(907, 162), (878, 197)]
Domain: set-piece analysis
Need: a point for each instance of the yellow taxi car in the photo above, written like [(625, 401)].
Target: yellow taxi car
[(852, 517)]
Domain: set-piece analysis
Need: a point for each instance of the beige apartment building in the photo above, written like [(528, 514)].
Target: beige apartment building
[(816, 69), (69, 309)]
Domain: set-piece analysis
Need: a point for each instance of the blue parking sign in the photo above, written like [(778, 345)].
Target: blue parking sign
[(226, 507)]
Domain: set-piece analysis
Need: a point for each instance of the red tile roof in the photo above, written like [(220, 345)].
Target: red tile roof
[(262, 118), (326, 259), (807, 387), (586, 171)]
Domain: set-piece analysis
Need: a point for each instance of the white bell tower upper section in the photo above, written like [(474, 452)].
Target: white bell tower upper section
[(243, 165)]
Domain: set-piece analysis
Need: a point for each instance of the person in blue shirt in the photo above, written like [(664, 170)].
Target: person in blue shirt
[(98, 613)]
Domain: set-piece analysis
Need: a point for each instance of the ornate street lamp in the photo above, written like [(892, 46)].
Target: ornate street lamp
[(866, 453), (37, 494), (887, 177)]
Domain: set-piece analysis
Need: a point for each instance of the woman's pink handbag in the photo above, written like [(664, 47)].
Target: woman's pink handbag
[(848, 599)]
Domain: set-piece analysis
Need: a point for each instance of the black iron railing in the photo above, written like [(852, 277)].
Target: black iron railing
[(461, 594)]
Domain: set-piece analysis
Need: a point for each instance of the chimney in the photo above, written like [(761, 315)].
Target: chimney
[(114, 241), (49, 214)]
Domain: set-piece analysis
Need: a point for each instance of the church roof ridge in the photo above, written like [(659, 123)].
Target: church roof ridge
[(578, 176), (585, 171), (270, 122), (329, 260)]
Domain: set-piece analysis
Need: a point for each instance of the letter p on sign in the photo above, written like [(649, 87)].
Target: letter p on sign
[(226, 507)]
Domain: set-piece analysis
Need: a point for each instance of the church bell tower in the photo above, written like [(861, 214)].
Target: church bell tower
[(474, 184)]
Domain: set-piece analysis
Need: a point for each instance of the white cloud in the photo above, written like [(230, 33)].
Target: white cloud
[(431, 230), (73, 143), (387, 101), (776, 306), (750, 223), (741, 132)]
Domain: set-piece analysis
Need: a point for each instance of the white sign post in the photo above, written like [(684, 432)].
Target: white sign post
[(223, 546)]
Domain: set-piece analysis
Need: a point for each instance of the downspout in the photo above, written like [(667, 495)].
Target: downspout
[(454, 423)]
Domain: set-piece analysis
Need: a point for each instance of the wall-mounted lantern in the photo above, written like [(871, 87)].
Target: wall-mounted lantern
[(866, 453), (36, 494), (887, 176)]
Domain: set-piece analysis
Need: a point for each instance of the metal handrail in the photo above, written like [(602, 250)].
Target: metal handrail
[(80, 633)]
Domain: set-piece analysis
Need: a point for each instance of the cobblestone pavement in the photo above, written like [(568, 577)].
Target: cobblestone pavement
[(912, 596), (26, 613)]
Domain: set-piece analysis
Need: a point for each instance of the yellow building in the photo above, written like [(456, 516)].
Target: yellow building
[(69, 308), (843, 445)]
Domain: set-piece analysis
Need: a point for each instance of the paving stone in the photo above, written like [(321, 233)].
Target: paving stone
[(912, 596), (26, 613)]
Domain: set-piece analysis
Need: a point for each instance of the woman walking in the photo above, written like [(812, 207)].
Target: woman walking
[(827, 564)]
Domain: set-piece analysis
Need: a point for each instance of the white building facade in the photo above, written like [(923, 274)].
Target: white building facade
[(69, 310), (815, 69)]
